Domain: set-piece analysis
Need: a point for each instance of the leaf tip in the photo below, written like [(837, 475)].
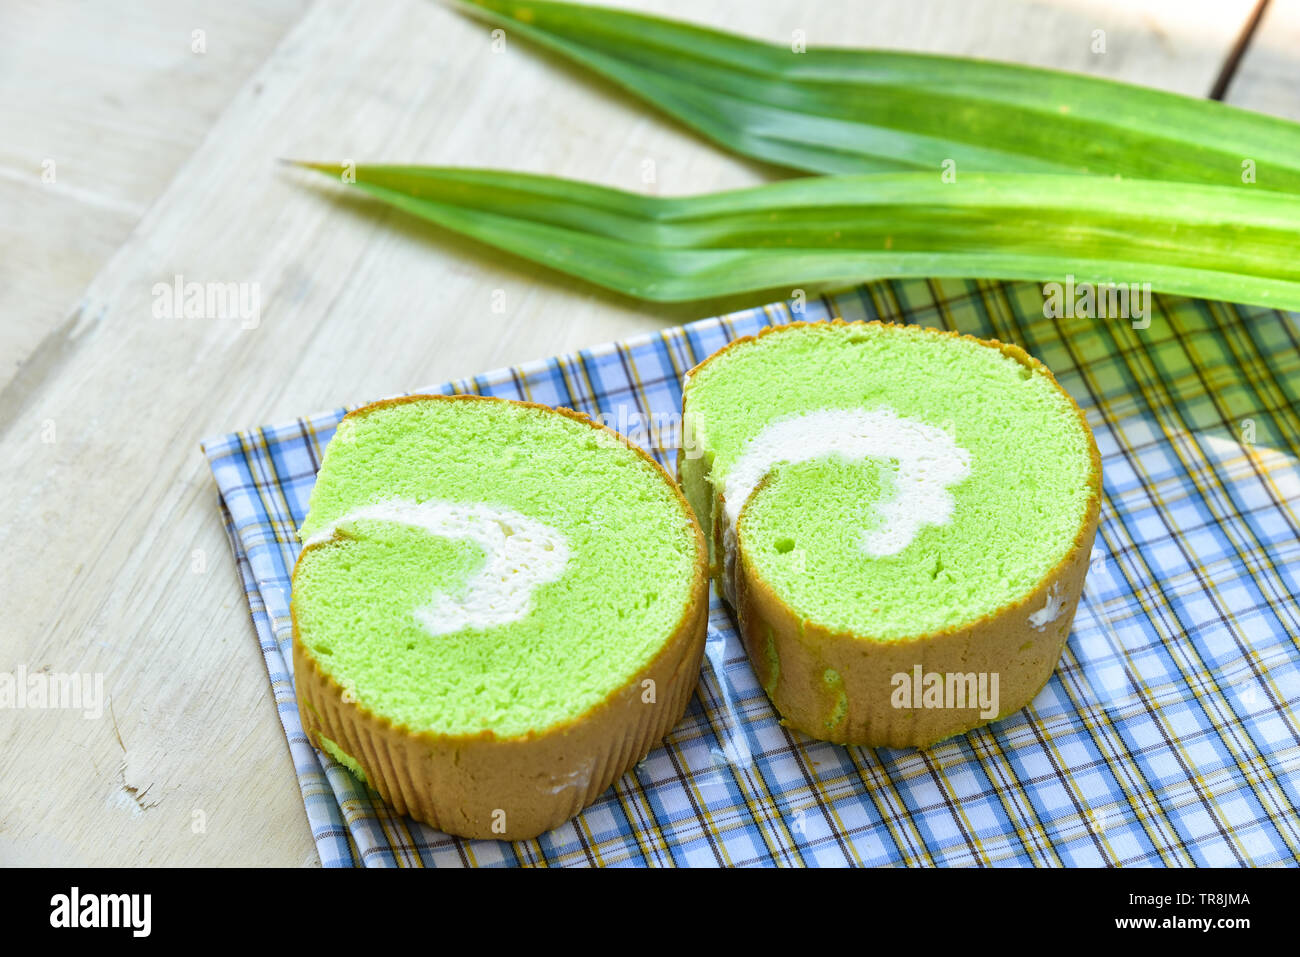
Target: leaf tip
[(308, 164)]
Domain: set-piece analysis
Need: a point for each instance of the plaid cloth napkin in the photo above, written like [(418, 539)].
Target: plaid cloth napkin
[(1167, 735)]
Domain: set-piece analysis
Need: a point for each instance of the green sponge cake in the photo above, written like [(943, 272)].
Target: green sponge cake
[(499, 608), (901, 518)]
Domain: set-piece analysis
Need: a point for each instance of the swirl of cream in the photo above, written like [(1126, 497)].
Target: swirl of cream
[(929, 461), (521, 554)]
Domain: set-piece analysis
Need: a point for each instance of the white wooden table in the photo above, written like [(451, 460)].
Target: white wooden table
[(136, 150)]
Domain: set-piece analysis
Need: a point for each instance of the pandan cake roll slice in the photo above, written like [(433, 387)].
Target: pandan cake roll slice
[(499, 609), (900, 517)]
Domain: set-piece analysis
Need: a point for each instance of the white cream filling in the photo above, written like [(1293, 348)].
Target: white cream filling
[(521, 554), (929, 460), (1050, 611), (579, 777)]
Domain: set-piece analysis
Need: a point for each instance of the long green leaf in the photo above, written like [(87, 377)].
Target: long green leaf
[(1215, 242), (862, 111)]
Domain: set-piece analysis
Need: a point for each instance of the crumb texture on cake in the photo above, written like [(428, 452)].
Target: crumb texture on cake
[(883, 502), (499, 608), (907, 481), (585, 552)]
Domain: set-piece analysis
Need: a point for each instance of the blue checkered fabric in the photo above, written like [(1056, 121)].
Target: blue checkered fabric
[(1167, 735)]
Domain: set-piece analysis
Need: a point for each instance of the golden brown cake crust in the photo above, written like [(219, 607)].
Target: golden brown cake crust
[(791, 657), (485, 786)]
